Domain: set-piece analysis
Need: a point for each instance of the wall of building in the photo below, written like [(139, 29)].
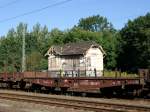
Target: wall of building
[(94, 58), (63, 62)]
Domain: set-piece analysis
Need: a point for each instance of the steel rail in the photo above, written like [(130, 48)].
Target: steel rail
[(74, 103)]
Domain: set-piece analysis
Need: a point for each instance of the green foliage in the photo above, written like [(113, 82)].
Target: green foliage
[(98, 29), (127, 49), (107, 39), (11, 48), (56, 36), (77, 34), (40, 39), (10, 57), (135, 43), (35, 61), (118, 74), (110, 45), (95, 23)]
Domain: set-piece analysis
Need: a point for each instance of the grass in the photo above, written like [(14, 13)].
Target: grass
[(118, 74)]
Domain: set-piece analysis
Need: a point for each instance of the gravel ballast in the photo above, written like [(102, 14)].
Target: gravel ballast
[(16, 106), (26, 107)]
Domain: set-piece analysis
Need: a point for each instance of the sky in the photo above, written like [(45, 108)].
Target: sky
[(66, 15)]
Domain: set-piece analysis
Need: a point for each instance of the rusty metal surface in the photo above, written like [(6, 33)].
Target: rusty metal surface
[(72, 83), (85, 84)]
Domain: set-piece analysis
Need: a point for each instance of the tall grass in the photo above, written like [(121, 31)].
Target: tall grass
[(118, 74)]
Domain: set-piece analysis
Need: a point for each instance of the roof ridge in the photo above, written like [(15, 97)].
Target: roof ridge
[(74, 48)]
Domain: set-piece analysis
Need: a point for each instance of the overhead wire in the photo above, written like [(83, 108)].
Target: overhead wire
[(35, 11), (9, 3)]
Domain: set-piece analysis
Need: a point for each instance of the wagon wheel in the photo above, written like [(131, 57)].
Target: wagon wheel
[(106, 92), (64, 90), (22, 84), (10, 85)]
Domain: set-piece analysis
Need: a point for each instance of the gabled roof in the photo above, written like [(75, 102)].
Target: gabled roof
[(79, 48)]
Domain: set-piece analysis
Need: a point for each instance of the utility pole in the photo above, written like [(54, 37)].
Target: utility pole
[(23, 51)]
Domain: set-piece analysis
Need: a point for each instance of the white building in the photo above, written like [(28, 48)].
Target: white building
[(84, 58)]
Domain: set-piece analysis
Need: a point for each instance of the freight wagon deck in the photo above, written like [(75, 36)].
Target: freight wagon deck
[(103, 85)]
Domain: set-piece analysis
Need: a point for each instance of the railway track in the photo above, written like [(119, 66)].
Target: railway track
[(75, 103)]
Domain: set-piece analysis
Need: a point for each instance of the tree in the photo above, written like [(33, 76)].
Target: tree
[(11, 48), (10, 57), (77, 34), (95, 23), (103, 33), (110, 44), (56, 36), (107, 39), (37, 45), (40, 39), (135, 43), (35, 61)]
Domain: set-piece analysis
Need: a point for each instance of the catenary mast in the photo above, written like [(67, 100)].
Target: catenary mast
[(23, 51)]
